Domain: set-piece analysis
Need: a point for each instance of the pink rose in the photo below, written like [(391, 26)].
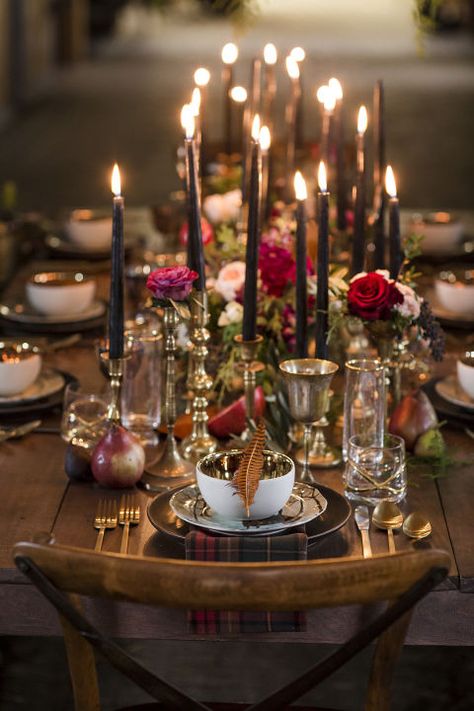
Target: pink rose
[(206, 231), (230, 280), (171, 282)]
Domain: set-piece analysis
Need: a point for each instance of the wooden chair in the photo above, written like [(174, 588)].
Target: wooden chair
[(62, 573)]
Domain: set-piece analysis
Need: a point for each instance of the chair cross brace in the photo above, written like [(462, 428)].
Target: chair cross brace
[(173, 698)]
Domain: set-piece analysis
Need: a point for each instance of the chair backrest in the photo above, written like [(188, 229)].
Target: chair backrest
[(403, 579)]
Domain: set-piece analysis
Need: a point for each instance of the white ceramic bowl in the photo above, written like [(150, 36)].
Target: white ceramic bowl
[(91, 230), (466, 377), (455, 296), (441, 232), (60, 293), (214, 474), (19, 368)]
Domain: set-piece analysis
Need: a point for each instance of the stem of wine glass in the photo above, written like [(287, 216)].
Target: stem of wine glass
[(306, 474)]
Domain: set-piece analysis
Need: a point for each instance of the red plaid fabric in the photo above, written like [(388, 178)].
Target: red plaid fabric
[(245, 549)]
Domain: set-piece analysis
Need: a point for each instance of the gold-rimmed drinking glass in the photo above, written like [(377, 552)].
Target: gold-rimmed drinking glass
[(308, 381)]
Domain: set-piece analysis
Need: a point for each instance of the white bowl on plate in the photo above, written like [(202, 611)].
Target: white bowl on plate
[(19, 368), (466, 376), (90, 230), (441, 232), (455, 295), (60, 293), (214, 475)]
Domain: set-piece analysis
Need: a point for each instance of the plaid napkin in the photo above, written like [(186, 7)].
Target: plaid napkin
[(245, 549)]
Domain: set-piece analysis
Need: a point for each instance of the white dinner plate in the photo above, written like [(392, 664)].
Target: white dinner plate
[(47, 383), (305, 503), (450, 390), (22, 312)]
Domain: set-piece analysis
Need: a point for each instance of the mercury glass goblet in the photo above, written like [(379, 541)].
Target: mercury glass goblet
[(308, 381)]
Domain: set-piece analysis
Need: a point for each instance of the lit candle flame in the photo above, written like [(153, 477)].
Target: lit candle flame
[(256, 127), (265, 138), (336, 88), (238, 94), (300, 186), (322, 179), (362, 120), (390, 184), (195, 103), (229, 53), (322, 93), (329, 101), (184, 117), (270, 53), (292, 68), (298, 54), (202, 76), (115, 182)]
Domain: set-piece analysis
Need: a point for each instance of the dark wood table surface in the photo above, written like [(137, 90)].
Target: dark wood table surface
[(37, 497)]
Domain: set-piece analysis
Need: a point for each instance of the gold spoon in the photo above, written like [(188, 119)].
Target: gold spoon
[(417, 526), (388, 517)]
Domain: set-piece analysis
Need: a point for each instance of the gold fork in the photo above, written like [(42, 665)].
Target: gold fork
[(129, 514), (105, 517)]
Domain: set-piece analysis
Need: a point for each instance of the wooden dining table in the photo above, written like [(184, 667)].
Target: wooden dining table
[(37, 498)]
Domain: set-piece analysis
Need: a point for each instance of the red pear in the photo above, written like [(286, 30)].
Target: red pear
[(118, 459), (413, 416)]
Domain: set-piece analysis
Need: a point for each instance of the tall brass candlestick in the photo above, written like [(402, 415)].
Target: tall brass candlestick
[(114, 367), (249, 366), (199, 442)]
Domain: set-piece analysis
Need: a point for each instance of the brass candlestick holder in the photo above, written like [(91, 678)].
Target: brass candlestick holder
[(199, 442), (249, 366), (114, 368), (170, 469)]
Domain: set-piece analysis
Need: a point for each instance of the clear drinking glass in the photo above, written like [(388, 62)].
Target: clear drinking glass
[(141, 387), (364, 402), (375, 472), (84, 416)]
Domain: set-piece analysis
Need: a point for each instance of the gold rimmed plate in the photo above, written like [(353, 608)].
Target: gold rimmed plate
[(43, 402), (449, 389)]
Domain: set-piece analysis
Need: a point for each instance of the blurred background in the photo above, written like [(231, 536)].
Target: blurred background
[(84, 83)]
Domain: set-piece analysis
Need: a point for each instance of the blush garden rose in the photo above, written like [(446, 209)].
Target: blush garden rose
[(171, 283)]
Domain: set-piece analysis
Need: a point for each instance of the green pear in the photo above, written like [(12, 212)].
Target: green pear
[(430, 444)]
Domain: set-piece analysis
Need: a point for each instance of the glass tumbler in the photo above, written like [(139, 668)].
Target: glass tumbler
[(375, 472), (364, 402), (84, 418), (141, 387)]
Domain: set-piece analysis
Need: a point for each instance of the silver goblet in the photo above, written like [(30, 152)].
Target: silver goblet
[(308, 381)]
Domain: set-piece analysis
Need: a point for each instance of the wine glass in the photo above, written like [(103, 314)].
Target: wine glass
[(308, 381)]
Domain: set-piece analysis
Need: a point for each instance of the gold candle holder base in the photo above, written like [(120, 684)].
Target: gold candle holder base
[(321, 455), (249, 366), (199, 442), (114, 368), (170, 469)]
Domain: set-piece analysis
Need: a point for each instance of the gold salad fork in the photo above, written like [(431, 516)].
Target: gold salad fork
[(105, 517), (129, 514)]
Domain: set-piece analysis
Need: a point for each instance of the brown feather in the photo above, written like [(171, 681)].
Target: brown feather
[(247, 477)]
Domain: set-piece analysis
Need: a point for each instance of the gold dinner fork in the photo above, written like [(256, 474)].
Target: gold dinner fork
[(129, 514), (105, 517)]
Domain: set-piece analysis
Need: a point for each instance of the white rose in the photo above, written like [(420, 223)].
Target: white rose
[(223, 208), (410, 306), (230, 280), (233, 313)]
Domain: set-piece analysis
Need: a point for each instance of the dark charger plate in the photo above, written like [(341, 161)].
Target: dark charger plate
[(448, 410), (336, 515)]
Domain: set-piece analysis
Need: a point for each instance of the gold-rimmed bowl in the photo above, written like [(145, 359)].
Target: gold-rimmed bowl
[(214, 474), (441, 231), (455, 290), (60, 293), (20, 365), (90, 230)]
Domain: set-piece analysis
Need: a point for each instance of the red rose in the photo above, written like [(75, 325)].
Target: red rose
[(372, 297), (277, 268), (171, 282)]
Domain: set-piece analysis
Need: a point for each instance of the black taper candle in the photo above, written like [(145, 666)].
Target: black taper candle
[(379, 171), (227, 81), (301, 286), (358, 245), (396, 257), (249, 328), (116, 311), (340, 176), (195, 248), (322, 270)]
